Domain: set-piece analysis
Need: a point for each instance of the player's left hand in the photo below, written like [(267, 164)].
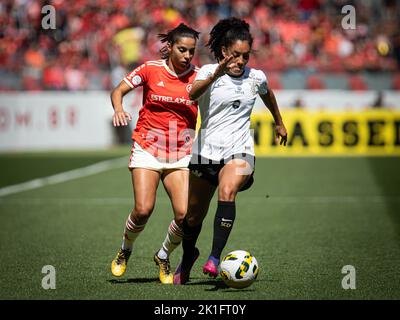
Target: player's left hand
[(280, 131)]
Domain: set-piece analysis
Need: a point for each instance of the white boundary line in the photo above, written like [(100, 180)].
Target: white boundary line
[(65, 176)]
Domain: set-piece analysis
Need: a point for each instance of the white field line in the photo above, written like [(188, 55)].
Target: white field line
[(64, 176)]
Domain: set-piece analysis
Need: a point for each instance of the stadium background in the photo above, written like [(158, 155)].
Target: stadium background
[(329, 199)]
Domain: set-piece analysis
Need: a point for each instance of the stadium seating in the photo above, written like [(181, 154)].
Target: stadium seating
[(357, 82), (315, 82), (287, 39), (396, 81), (274, 81), (31, 84)]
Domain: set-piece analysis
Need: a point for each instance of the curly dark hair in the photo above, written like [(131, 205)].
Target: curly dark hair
[(226, 32)]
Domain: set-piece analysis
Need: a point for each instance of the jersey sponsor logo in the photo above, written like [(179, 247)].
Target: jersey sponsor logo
[(161, 84), (239, 90), (156, 97)]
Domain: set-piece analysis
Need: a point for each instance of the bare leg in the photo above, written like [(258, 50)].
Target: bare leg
[(145, 183), (176, 183)]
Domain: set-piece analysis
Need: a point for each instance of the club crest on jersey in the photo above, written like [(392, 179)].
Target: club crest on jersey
[(188, 87)]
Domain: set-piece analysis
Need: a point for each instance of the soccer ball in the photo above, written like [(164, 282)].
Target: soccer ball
[(239, 269)]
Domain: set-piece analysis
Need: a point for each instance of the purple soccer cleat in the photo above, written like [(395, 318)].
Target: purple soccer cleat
[(211, 268), (182, 272)]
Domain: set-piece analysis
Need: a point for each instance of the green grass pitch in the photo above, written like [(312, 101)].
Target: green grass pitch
[(303, 219)]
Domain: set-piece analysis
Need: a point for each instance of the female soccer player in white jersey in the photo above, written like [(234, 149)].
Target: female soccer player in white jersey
[(223, 152), (161, 141)]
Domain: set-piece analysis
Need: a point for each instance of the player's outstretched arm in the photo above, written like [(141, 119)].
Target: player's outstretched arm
[(201, 86), (272, 105), (120, 116)]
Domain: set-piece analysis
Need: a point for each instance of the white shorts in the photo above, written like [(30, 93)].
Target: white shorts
[(140, 158)]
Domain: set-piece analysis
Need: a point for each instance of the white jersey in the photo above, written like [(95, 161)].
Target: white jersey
[(225, 110)]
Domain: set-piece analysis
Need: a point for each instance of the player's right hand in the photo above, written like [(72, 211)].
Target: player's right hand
[(224, 65), (120, 118)]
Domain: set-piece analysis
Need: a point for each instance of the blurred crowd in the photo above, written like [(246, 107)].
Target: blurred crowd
[(96, 42)]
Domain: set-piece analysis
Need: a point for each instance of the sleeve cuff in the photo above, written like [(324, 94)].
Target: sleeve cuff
[(129, 84)]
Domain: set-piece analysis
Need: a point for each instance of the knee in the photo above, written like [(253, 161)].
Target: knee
[(180, 210), (179, 217), (227, 192), (195, 215), (141, 213), (193, 221)]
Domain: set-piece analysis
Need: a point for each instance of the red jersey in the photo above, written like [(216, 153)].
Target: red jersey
[(167, 120)]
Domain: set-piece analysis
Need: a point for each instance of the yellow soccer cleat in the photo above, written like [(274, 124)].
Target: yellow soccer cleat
[(166, 277), (118, 265)]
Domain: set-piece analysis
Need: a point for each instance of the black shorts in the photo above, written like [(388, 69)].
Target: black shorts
[(209, 169)]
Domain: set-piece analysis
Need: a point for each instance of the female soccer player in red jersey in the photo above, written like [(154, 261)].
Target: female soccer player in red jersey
[(162, 141)]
